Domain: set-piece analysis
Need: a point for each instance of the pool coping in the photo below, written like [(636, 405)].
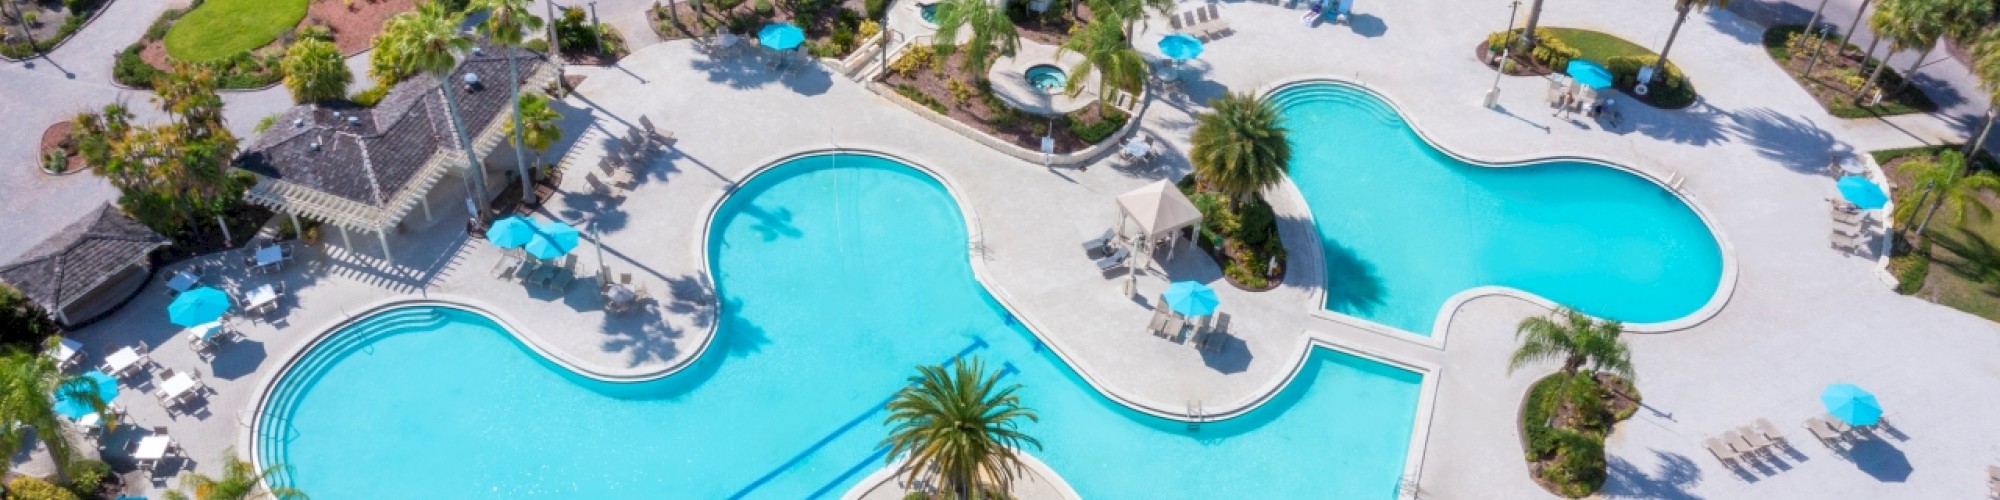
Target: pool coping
[(888, 474), (1427, 372), (1725, 286)]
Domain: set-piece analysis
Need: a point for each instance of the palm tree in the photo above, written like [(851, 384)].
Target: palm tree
[(507, 21), (1240, 146), (959, 426), (385, 64), (1107, 53), (1576, 339), (314, 71), (240, 481), (428, 40), (1958, 19), (27, 380), (1898, 21), (1953, 187), (1986, 66), (542, 122), (1528, 32), (1132, 12), (1681, 8), (992, 31)]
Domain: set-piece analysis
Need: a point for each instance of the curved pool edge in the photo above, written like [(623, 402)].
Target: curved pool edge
[(1308, 339), (887, 474), (1725, 285)]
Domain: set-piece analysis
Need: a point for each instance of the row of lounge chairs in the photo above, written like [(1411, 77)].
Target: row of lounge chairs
[(1203, 22), (1849, 227), (1838, 435), (538, 273), (1205, 331), (1111, 246), (1744, 442)]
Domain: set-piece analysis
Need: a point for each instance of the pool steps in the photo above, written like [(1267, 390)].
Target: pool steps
[(1369, 105), (274, 429)]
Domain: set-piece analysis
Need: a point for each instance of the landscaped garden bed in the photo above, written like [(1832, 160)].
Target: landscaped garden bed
[(30, 27), (834, 28), (1556, 47), (243, 40), (1564, 421), (1954, 264), (947, 88), (582, 42), (1837, 81), (58, 152), (1243, 240)]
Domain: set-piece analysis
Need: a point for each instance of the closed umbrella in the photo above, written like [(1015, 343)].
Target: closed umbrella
[(510, 232), (91, 382), (1191, 299), (1180, 47), (1850, 404), (780, 36), (1862, 192), (552, 239), (1589, 74), (197, 306)]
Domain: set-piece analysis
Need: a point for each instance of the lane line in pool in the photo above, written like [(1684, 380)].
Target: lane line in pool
[(977, 344)]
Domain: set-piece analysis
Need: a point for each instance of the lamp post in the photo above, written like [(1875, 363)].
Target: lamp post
[(1500, 65)]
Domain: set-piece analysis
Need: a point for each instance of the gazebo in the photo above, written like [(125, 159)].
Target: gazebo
[(1159, 209), (365, 168), (88, 268)]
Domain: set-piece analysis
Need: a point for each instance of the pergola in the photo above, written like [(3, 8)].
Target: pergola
[(365, 169), (1159, 209)]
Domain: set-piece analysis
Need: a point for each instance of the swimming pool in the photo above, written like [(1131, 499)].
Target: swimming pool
[(1404, 226), (839, 274)]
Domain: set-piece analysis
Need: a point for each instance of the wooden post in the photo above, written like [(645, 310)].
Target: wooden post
[(227, 240)]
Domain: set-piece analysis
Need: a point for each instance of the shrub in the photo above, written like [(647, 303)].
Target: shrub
[(848, 17), (54, 161), (316, 32), (1625, 72), (538, 45), (877, 9), (743, 23), (131, 70), (78, 8), (371, 96), (843, 39), (724, 5), (763, 8), (1912, 269), (804, 20), (455, 5), (574, 30), (1094, 131), (960, 92), (918, 96), (28, 488), (33, 18), (1549, 50), (86, 477), (916, 58), (868, 29)]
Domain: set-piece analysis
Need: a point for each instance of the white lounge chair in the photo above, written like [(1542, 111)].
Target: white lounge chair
[(1158, 323), (1770, 431), (1099, 245), (1173, 329), (1722, 452), (1116, 258), (1757, 440)]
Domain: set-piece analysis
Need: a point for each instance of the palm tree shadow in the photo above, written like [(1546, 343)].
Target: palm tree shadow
[(1978, 260), (1698, 125), (1797, 143), (741, 72), (1351, 283), (1677, 473)]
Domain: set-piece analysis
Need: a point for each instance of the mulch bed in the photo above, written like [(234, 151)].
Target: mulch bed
[(1054, 33), (354, 27), (57, 137), (1836, 80), (1021, 131), (155, 55), (49, 18)]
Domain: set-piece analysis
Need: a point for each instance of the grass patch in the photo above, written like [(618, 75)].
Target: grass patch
[(1598, 47), (1958, 267), (1837, 80), (220, 29)]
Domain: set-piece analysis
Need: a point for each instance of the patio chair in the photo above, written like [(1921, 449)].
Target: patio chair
[(1174, 326), (625, 279), (1189, 23), (1770, 431), (1216, 25), (1722, 452), (542, 275), (527, 269), (1201, 24), (1174, 23), (1158, 323), (1117, 257), (1826, 435), (560, 282), (1757, 440), (1211, 337), (639, 294), (1103, 243)]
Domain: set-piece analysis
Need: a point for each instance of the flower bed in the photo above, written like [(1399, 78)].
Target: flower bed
[(1837, 80), (942, 85), (1244, 241), (1563, 426), (46, 23)]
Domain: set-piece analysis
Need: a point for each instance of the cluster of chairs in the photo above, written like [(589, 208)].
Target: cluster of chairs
[(1204, 22), (536, 272), (1745, 443), (626, 157), (1108, 250), (1849, 227), (639, 294), (1206, 331), (1839, 436), (175, 401)]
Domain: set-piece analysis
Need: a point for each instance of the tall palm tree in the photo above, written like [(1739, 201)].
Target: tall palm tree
[(1528, 40), (314, 71), (1953, 187), (1107, 53), (992, 31), (1898, 21), (27, 380), (542, 129), (1239, 147), (240, 481), (1681, 9), (958, 425), (1575, 338), (428, 41), (1958, 19), (507, 22), (1986, 67), (1132, 12)]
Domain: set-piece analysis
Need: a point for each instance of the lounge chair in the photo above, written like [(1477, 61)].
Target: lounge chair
[(1757, 440), (1846, 217), (1188, 22), (1173, 328), (1215, 24), (1722, 452), (527, 269), (1201, 24), (542, 275), (1740, 443), (1845, 242), (506, 266), (1116, 258), (1770, 431), (561, 280), (1993, 474), (1158, 323), (1103, 243), (1826, 435), (1174, 23), (1209, 336)]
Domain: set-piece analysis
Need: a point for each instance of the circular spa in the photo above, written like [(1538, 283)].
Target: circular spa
[(438, 401), (1046, 77)]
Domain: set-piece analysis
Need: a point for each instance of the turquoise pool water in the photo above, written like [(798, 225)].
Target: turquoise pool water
[(1046, 77), (839, 275), (1405, 226)]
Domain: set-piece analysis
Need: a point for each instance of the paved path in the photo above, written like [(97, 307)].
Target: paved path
[(1801, 315)]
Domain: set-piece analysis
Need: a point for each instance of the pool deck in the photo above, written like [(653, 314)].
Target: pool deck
[(1801, 315)]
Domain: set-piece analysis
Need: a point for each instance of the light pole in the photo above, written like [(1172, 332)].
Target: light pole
[(1500, 65)]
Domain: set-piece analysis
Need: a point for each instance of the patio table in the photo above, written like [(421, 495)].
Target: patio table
[(270, 255), (121, 361), (1136, 148), (178, 386), (67, 351), (261, 297), (183, 281), (153, 448)]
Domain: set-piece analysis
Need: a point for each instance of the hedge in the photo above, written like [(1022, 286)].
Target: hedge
[(1549, 49)]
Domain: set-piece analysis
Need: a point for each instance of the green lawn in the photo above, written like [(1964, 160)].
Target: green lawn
[(1597, 46), (1964, 261), (220, 29)]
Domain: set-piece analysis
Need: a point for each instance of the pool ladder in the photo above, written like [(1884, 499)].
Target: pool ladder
[(1196, 415)]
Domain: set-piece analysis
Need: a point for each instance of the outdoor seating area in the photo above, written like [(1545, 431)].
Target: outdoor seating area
[(1204, 22), (623, 296), (1746, 443), (1189, 314), (269, 257), (1851, 221)]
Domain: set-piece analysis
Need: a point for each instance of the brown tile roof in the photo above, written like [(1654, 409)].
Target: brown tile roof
[(67, 265)]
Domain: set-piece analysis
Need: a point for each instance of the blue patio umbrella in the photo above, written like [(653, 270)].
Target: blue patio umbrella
[(1862, 192), (510, 232), (780, 36), (1180, 47), (552, 239), (1589, 74), (1191, 299), (197, 306), (75, 408), (1851, 404)]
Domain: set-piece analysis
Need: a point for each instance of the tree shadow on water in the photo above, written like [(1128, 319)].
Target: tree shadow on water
[(771, 224), (1797, 143), (1352, 285), (1676, 474)]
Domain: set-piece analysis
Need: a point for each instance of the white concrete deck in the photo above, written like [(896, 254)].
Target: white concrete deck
[(1802, 315)]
